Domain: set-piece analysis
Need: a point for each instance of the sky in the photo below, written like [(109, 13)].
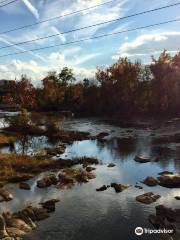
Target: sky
[(84, 57)]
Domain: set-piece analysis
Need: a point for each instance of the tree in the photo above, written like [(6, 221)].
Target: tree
[(66, 76), (22, 93), (166, 83)]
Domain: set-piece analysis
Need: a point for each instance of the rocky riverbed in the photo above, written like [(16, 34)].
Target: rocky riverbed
[(100, 184)]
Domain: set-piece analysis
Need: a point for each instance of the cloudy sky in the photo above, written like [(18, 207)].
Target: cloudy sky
[(82, 57)]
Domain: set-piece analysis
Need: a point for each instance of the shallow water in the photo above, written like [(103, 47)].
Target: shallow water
[(84, 213)]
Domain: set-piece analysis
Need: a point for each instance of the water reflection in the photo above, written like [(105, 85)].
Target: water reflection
[(84, 213)]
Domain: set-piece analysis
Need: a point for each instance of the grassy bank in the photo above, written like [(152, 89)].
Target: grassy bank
[(17, 168)]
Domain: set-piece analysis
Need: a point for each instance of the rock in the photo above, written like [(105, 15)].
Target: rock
[(142, 159), (3, 232), (85, 165), (169, 180), (15, 233), (150, 181), (103, 188), (6, 196), (90, 169), (56, 150), (166, 218), (47, 181), (50, 205), (172, 215), (119, 187), (24, 186), (137, 186), (40, 213), (177, 197), (147, 198), (13, 222), (111, 165), (70, 176), (102, 135), (165, 172), (26, 219)]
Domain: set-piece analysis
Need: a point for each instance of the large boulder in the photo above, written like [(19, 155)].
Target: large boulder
[(147, 198), (170, 180)]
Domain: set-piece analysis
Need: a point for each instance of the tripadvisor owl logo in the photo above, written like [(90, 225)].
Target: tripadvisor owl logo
[(139, 231)]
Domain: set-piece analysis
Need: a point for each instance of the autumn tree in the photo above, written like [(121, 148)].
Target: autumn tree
[(118, 84), (166, 83), (22, 93)]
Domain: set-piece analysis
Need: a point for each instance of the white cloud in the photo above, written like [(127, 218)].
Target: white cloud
[(31, 8), (54, 62), (149, 44)]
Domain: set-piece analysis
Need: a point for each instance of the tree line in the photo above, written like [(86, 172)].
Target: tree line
[(125, 87)]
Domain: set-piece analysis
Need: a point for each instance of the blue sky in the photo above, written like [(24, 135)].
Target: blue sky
[(84, 57)]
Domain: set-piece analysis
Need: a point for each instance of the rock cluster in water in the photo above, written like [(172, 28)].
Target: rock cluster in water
[(166, 179), (18, 224), (66, 178)]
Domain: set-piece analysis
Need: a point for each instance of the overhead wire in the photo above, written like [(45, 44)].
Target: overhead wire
[(89, 26), (92, 38)]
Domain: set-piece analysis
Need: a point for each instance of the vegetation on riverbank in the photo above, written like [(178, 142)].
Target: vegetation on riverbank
[(17, 168), (6, 140), (125, 87)]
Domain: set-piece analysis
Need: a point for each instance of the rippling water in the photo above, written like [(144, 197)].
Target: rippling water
[(84, 213)]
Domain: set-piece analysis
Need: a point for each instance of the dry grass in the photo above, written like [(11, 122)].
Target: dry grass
[(6, 140), (17, 168), (13, 165)]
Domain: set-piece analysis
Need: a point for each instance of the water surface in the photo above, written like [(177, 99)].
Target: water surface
[(84, 213)]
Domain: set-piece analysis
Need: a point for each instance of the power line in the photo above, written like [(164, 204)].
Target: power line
[(90, 26), (54, 18), (4, 1), (91, 38), (5, 4)]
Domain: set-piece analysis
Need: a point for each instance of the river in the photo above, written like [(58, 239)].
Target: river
[(83, 213)]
